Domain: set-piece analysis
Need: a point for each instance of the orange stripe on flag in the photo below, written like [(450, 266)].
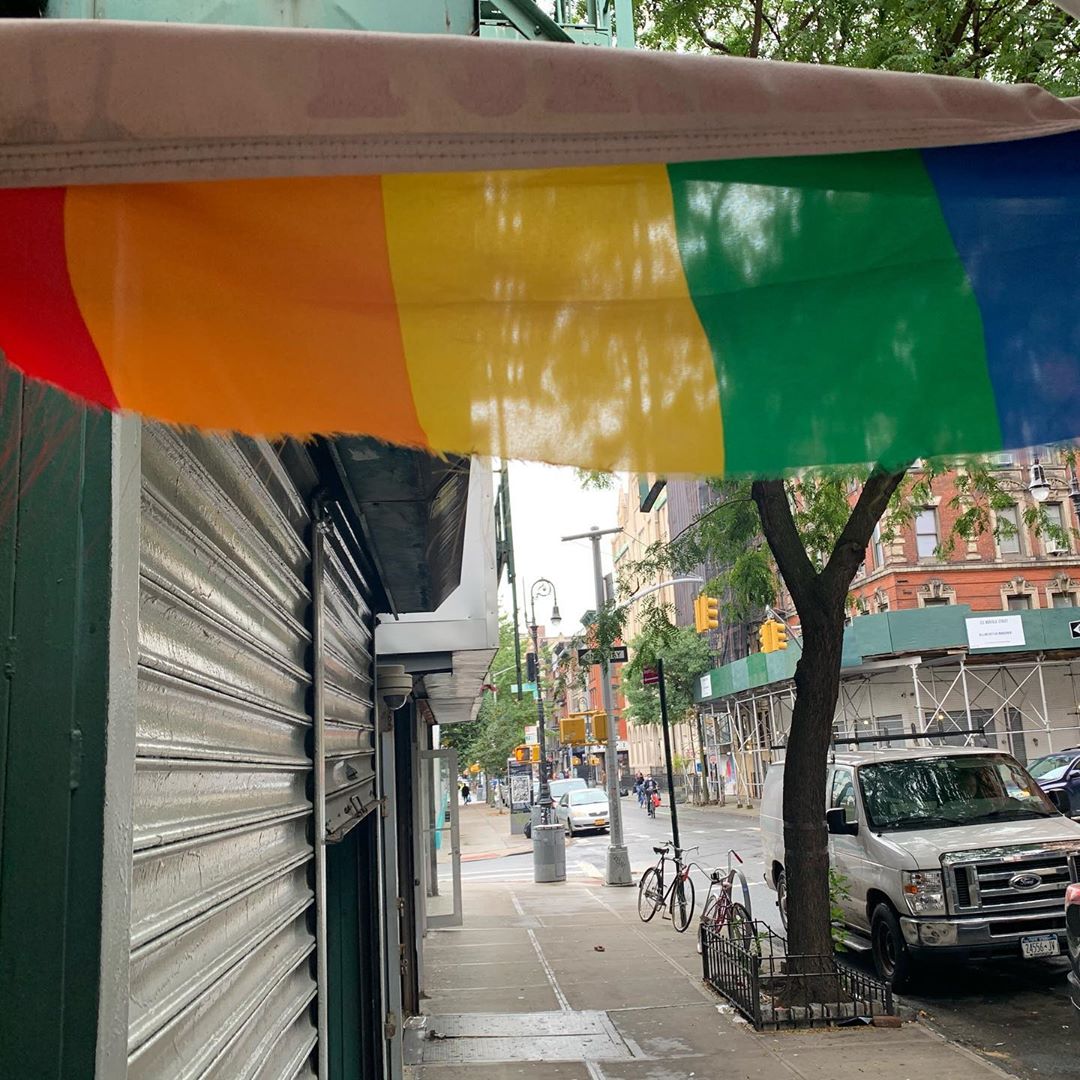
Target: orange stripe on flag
[(265, 305)]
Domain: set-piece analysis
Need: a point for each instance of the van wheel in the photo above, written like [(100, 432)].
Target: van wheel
[(892, 958), (781, 897)]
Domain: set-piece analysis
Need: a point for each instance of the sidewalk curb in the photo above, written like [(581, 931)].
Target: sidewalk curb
[(482, 855)]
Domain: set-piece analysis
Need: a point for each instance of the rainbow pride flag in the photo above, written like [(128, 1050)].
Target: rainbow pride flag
[(744, 314)]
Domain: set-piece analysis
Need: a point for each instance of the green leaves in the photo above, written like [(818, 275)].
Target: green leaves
[(685, 656), (1030, 42)]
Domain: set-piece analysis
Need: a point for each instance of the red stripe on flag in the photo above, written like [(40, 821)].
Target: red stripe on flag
[(41, 328)]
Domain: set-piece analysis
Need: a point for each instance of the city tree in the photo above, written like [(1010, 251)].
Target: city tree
[(810, 528)]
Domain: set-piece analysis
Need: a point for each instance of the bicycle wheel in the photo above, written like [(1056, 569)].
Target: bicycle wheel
[(740, 928), (708, 919), (682, 903), (649, 894)]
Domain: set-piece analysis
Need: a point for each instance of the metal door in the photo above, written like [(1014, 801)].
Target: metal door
[(442, 847), (222, 979)]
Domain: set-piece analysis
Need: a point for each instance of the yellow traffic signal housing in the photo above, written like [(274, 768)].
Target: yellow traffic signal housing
[(534, 753), (773, 636), (706, 613), (599, 727), (521, 754), (572, 730)]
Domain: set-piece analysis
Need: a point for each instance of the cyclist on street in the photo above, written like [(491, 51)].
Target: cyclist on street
[(650, 789)]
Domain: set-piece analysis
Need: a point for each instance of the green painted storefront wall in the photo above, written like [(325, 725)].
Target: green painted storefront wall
[(898, 633), (400, 16), (55, 536)]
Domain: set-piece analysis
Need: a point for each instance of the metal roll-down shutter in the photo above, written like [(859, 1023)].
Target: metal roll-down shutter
[(222, 979), (348, 629)]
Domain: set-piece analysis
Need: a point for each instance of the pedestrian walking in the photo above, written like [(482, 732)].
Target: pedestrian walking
[(639, 784), (465, 793)]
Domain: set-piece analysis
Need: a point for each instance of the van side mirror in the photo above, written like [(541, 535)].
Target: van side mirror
[(838, 824)]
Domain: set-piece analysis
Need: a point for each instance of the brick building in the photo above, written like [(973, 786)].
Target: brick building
[(1021, 571)]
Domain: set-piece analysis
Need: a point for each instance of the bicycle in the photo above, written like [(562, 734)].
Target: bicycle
[(721, 910), (679, 896)]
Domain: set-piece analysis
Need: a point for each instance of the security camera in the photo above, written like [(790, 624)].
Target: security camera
[(395, 685)]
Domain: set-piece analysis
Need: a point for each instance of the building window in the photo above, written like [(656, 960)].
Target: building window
[(1063, 599), (936, 601), (1008, 540), (1054, 546), (926, 533), (878, 548), (1018, 602)]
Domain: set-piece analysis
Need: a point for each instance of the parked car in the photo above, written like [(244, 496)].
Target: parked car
[(559, 788), (950, 853), (581, 810), (556, 788), (1060, 773), (1072, 928)]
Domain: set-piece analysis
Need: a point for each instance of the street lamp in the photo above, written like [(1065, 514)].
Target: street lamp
[(1038, 485), (1074, 490), (542, 587)]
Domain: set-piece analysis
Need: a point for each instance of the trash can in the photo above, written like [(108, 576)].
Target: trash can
[(549, 853)]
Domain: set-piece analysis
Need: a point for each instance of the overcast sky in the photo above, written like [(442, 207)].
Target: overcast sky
[(548, 503)]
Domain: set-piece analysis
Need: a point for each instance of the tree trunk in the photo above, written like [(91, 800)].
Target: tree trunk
[(806, 841), (819, 598)]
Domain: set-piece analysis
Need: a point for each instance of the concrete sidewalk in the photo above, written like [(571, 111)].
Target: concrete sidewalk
[(563, 982), (485, 833)]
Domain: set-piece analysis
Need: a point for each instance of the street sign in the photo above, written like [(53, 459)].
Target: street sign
[(618, 655), (1074, 629), (650, 676)]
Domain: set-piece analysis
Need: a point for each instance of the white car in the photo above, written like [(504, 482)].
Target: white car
[(951, 853), (581, 810)]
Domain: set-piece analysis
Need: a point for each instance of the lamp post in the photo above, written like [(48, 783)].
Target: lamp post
[(1038, 485), (542, 587)]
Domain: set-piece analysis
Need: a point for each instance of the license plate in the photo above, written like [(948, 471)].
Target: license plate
[(1039, 945), (600, 821)]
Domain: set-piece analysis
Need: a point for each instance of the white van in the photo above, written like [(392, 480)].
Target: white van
[(945, 852)]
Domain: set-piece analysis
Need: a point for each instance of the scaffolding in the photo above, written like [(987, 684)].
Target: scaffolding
[(1027, 706)]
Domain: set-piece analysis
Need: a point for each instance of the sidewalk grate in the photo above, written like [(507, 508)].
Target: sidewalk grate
[(498, 1037)]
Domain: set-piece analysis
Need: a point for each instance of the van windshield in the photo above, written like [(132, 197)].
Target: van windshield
[(937, 792)]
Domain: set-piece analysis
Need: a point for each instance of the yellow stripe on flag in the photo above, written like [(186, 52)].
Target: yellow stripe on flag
[(545, 315)]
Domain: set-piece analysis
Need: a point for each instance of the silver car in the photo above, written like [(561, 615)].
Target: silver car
[(581, 810)]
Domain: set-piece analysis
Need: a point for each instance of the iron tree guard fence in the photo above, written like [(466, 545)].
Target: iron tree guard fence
[(753, 974)]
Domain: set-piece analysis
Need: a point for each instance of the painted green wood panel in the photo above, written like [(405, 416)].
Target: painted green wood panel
[(413, 16), (50, 866), (10, 460)]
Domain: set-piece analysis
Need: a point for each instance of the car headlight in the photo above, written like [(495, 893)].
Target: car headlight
[(924, 892)]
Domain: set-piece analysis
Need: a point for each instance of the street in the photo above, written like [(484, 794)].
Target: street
[(1016, 1014)]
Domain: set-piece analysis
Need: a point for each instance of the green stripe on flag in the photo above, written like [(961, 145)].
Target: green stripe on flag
[(842, 323)]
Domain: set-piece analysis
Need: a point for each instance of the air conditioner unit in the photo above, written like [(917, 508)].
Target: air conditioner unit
[(1002, 460)]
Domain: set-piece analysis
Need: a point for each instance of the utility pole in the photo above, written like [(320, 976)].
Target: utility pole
[(667, 754), (618, 859)]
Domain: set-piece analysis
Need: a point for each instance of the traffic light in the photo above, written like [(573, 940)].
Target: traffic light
[(530, 667), (572, 730), (599, 727), (534, 752), (521, 754), (706, 613), (773, 636)]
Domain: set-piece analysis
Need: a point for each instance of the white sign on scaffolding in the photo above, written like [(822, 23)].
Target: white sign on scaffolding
[(994, 631), (706, 686)]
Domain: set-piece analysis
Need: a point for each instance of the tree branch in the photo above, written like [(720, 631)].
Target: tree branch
[(850, 549), (780, 531), (718, 46), (755, 37)]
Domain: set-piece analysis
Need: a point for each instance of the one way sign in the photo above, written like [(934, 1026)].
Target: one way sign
[(1074, 629)]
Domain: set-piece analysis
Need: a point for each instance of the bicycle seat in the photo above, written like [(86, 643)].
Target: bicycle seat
[(662, 850)]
